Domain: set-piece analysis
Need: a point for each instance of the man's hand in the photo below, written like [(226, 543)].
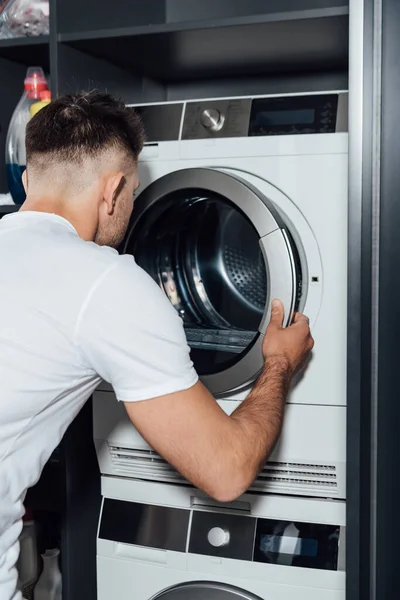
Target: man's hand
[(291, 345)]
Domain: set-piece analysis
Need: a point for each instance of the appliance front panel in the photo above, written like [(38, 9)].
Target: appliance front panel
[(311, 190), (221, 533), (300, 541)]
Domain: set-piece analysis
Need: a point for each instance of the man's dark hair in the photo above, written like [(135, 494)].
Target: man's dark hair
[(80, 125)]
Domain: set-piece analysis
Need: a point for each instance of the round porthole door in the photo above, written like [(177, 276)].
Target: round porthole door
[(220, 251), (204, 590)]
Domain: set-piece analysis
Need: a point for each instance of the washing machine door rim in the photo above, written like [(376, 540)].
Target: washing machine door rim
[(194, 590), (276, 247)]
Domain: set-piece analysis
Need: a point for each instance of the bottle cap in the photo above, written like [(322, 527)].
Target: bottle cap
[(35, 79)]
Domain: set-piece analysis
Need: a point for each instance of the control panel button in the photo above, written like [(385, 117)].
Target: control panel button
[(212, 119), (218, 537)]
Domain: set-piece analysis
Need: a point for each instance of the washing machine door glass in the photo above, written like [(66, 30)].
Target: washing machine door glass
[(209, 254), (204, 590)]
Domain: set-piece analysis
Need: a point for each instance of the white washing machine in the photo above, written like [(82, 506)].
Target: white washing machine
[(186, 548), (243, 200)]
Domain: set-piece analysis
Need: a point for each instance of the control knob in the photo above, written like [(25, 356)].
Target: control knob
[(218, 537), (212, 119)]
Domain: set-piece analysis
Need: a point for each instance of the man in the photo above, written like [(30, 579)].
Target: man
[(75, 311)]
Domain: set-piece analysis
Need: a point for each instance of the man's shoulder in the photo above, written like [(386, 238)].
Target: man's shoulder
[(121, 285), (121, 273), (105, 269), (91, 259), (85, 268)]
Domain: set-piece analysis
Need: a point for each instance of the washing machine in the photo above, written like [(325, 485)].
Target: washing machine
[(243, 200), (187, 548)]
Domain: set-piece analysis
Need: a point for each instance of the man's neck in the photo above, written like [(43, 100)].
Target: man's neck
[(80, 220)]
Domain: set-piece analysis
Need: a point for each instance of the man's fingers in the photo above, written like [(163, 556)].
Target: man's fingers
[(277, 313), (300, 318)]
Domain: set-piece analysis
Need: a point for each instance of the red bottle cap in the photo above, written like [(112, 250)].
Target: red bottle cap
[(35, 81)]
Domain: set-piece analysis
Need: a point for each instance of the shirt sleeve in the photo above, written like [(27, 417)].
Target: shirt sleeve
[(130, 334)]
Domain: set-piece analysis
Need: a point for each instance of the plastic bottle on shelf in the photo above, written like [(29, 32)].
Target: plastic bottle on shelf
[(49, 586), (35, 83), (45, 99)]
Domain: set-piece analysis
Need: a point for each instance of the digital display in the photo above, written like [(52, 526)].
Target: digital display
[(285, 117), (289, 545), (293, 115)]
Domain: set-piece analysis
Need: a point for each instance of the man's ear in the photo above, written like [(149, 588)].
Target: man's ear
[(112, 190), (25, 181)]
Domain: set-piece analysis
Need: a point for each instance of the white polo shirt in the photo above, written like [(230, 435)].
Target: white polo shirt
[(72, 313)]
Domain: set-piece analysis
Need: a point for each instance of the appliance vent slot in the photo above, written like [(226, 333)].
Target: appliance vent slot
[(279, 477)]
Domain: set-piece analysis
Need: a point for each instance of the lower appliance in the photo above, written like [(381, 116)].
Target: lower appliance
[(259, 548), (243, 200)]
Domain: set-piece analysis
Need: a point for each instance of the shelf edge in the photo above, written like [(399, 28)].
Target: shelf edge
[(203, 24), (22, 42)]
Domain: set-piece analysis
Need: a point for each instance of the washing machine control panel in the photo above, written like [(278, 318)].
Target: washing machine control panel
[(245, 117), (224, 534), (267, 116)]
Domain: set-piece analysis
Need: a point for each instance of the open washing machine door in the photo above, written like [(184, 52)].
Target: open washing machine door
[(204, 590), (221, 252)]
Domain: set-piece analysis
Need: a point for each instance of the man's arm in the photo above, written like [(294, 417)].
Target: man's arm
[(222, 454)]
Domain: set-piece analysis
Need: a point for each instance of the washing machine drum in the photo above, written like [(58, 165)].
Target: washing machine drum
[(204, 590), (220, 252)]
